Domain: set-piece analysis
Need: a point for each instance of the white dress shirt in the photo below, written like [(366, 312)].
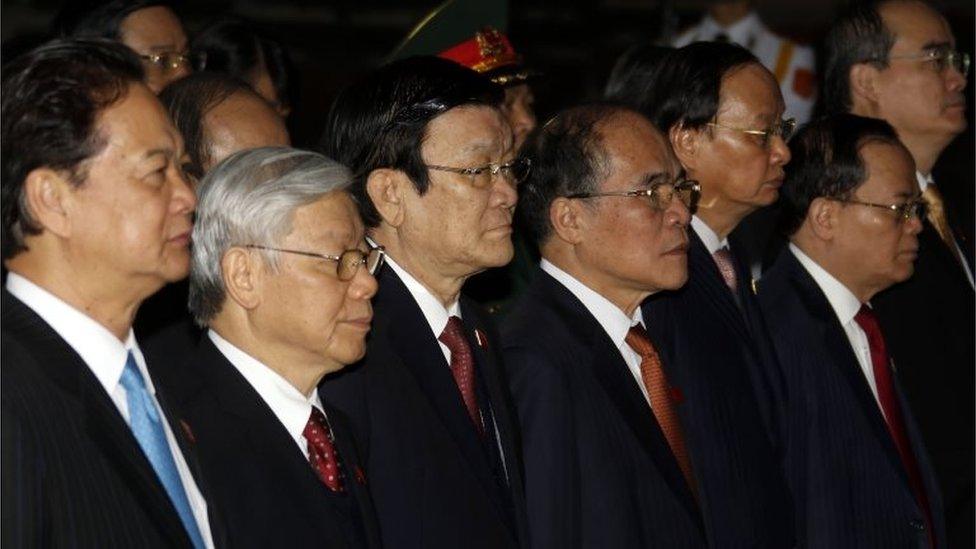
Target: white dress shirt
[(434, 311), (845, 305), (106, 356), (708, 236), (923, 182), (288, 404), (613, 320)]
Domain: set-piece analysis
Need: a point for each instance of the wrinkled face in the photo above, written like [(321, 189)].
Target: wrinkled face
[(735, 170), (877, 246), (240, 122), (630, 243), (914, 95), (132, 214), (156, 30), (458, 228), (304, 306), (518, 110)]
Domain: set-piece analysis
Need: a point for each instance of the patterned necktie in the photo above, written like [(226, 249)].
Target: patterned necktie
[(146, 425), (726, 266), (937, 217), (891, 409), (462, 368), (322, 454), (662, 402)]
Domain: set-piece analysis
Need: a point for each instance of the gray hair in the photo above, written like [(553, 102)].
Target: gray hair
[(251, 198)]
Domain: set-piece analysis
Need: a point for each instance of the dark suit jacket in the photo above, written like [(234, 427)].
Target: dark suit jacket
[(267, 492), (718, 355), (929, 322), (73, 473), (431, 477), (848, 481), (598, 471)]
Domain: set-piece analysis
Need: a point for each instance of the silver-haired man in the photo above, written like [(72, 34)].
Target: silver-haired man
[(282, 278)]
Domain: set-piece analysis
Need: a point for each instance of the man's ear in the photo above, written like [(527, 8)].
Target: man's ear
[(863, 78), (243, 272), (822, 218), (386, 188), (49, 195), (685, 142), (568, 219)]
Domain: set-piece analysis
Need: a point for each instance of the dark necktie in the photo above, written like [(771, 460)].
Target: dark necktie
[(462, 368), (726, 266), (891, 409), (322, 454), (662, 401)]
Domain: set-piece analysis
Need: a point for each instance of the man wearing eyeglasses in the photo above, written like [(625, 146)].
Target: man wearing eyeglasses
[(436, 184), (281, 277), (148, 27), (897, 61), (856, 463), (606, 463)]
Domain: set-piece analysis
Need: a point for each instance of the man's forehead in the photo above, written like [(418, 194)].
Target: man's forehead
[(474, 128), (916, 25)]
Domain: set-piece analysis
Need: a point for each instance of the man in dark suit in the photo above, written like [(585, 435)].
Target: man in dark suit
[(281, 276), (435, 183), (856, 464), (96, 217), (896, 60), (606, 463), (723, 113)]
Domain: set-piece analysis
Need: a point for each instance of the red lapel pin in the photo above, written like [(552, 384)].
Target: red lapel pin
[(677, 396), (188, 432), (360, 475)]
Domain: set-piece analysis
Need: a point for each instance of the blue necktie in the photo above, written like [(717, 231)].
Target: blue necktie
[(144, 420)]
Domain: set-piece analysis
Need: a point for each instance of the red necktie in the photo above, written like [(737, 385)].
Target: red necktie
[(726, 266), (321, 452), (868, 322), (662, 402), (462, 367)]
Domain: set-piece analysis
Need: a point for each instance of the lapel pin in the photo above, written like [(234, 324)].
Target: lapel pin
[(188, 432), (676, 395), (360, 475), (482, 340), (755, 286)]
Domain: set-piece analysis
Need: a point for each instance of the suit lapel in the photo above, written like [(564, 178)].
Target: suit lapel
[(356, 481)]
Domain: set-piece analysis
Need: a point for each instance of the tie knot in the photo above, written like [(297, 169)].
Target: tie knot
[(867, 320), (726, 266), (317, 424), (131, 377), (453, 334), (639, 342)]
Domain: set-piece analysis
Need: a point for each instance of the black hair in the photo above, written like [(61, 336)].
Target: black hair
[(634, 74), (381, 121), (239, 48), (827, 162), (857, 36), (51, 98), (689, 82), (188, 101), (98, 18), (568, 157)]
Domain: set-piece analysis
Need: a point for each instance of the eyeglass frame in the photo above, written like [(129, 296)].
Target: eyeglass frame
[(918, 204), (941, 55), (650, 193), (767, 135), (337, 258), (493, 169), (181, 59)]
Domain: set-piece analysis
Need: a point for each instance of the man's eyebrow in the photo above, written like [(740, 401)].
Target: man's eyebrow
[(936, 46), (651, 179), (154, 152)]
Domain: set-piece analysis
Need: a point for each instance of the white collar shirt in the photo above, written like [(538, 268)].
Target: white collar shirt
[(845, 305), (105, 355), (611, 318), (288, 404), (708, 236), (742, 32), (923, 182), (434, 311)]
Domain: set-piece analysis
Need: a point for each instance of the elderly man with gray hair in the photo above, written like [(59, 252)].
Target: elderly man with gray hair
[(282, 279)]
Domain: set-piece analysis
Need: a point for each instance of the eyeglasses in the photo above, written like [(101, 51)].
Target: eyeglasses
[(941, 60), (660, 195), (515, 172), (783, 129), (917, 208), (167, 61), (347, 263)]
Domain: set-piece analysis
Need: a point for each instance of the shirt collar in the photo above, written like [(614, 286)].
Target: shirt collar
[(844, 303), (923, 180), (613, 320), (707, 235), (433, 310), (740, 32), (289, 405), (101, 351)]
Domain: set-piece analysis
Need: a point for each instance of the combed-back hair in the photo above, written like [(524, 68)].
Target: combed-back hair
[(98, 18), (240, 49), (858, 36), (51, 99), (688, 84), (568, 157), (251, 198), (381, 121), (188, 101), (634, 75), (827, 162)]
